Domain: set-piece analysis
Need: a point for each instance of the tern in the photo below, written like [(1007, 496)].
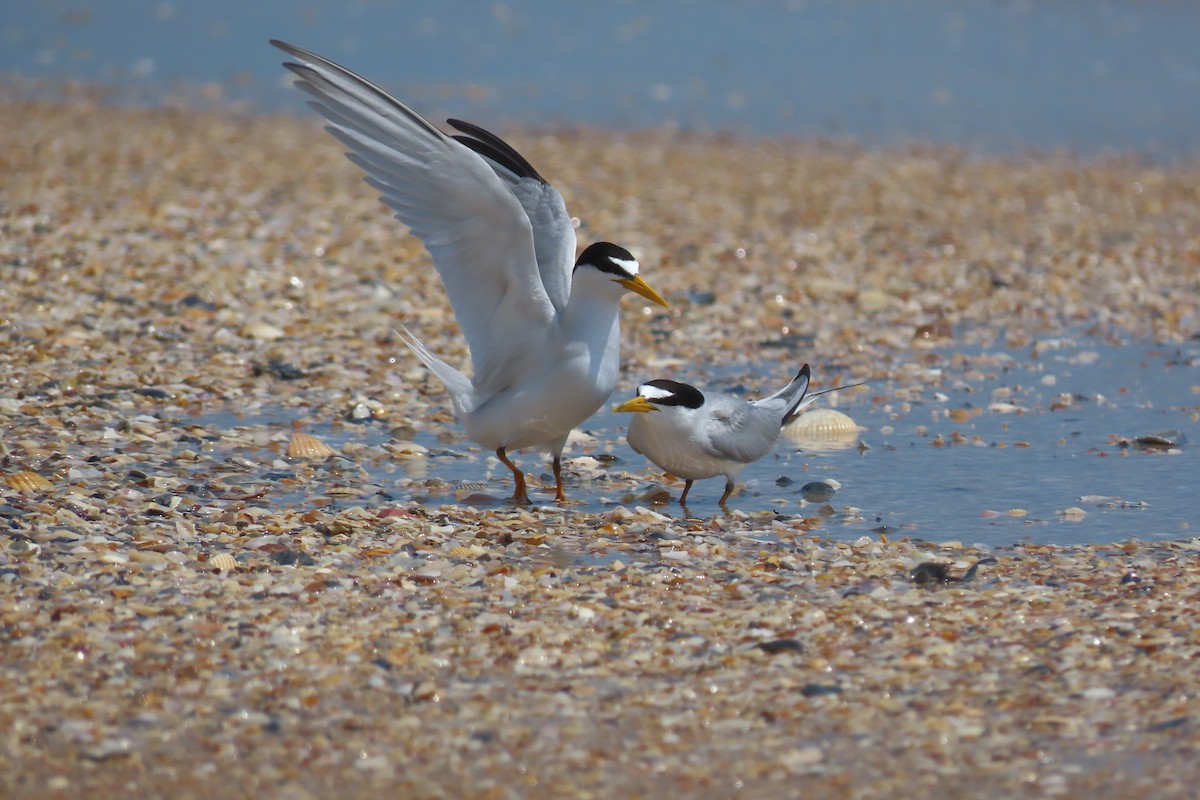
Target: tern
[(692, 435), (543, 328)]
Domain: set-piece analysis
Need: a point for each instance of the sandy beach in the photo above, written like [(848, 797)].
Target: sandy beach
[(194, 603)]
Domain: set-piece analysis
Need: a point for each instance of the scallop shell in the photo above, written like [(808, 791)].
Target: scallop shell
[(823, 429), (305, 445), (28, 481), (223, 562)]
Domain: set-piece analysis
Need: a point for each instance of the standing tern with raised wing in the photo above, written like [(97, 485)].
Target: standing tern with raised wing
[(543, 328)]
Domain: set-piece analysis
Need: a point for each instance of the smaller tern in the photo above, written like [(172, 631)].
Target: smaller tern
[(694, 436), (543, 328)]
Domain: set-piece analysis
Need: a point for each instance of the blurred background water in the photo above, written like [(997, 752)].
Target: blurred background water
[(998, 76)]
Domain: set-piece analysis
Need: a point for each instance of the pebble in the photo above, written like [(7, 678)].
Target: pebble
[(819, 491)]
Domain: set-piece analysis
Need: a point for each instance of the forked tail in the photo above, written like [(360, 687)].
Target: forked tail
[(788, 400), (811, 397), (458, 384)]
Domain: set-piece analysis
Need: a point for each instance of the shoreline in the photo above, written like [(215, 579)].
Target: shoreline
[(217, 98)]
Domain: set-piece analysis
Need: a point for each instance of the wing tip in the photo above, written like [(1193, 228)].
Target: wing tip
[(291, 49), (491, 146), (804, 374)]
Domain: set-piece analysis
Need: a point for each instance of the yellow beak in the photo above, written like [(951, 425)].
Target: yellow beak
[(639, 286), (638, 403)]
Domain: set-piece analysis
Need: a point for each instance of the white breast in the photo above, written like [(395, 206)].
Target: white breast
[(666, 437)]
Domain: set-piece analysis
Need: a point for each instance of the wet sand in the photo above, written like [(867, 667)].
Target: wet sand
[(188, 610)]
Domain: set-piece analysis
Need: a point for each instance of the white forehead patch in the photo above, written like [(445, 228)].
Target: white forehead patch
[(629, 265), (653, 392)]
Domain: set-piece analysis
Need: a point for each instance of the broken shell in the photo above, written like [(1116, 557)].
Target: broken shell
[(930, 572), (654, 493), (223, 562), (262, 330), (28, 481), (1163, 441), (401, 449), (23, 548), (305, 445), (820, 491), (937, 572)]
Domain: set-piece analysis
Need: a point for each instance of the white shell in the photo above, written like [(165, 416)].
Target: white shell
[(262, 330), (823, 429)]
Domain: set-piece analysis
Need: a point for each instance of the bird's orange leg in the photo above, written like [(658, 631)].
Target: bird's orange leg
[(559, 495), (520, 495)]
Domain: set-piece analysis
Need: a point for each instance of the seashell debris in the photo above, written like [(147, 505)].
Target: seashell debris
[(392, 640), (309, 447), (223, 562), (28, 481)]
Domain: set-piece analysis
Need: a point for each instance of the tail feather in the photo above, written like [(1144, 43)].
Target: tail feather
[(811, 397), (788, 400), (795, 397), (458, 384)]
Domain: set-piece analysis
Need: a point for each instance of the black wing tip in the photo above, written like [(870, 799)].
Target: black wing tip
[(791, 414), (489, 145), (287, 47), (292, 50), (471, 129)]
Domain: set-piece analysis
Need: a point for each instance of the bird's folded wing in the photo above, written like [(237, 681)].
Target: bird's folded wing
[(473, 225), (736, 431)]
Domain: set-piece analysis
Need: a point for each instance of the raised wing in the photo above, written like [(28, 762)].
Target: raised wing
[(737, 431), (553, 233), (469, 218)]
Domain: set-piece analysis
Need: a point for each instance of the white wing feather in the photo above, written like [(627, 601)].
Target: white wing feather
[(476, 228), (553, 238), (738, 431), (553, 233), (745, 432)]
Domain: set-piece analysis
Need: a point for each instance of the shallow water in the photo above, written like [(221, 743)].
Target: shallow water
[(1034, 433), (1074, 458)]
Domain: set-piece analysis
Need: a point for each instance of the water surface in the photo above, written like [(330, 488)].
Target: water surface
[(1088, 76), (994, 448)]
